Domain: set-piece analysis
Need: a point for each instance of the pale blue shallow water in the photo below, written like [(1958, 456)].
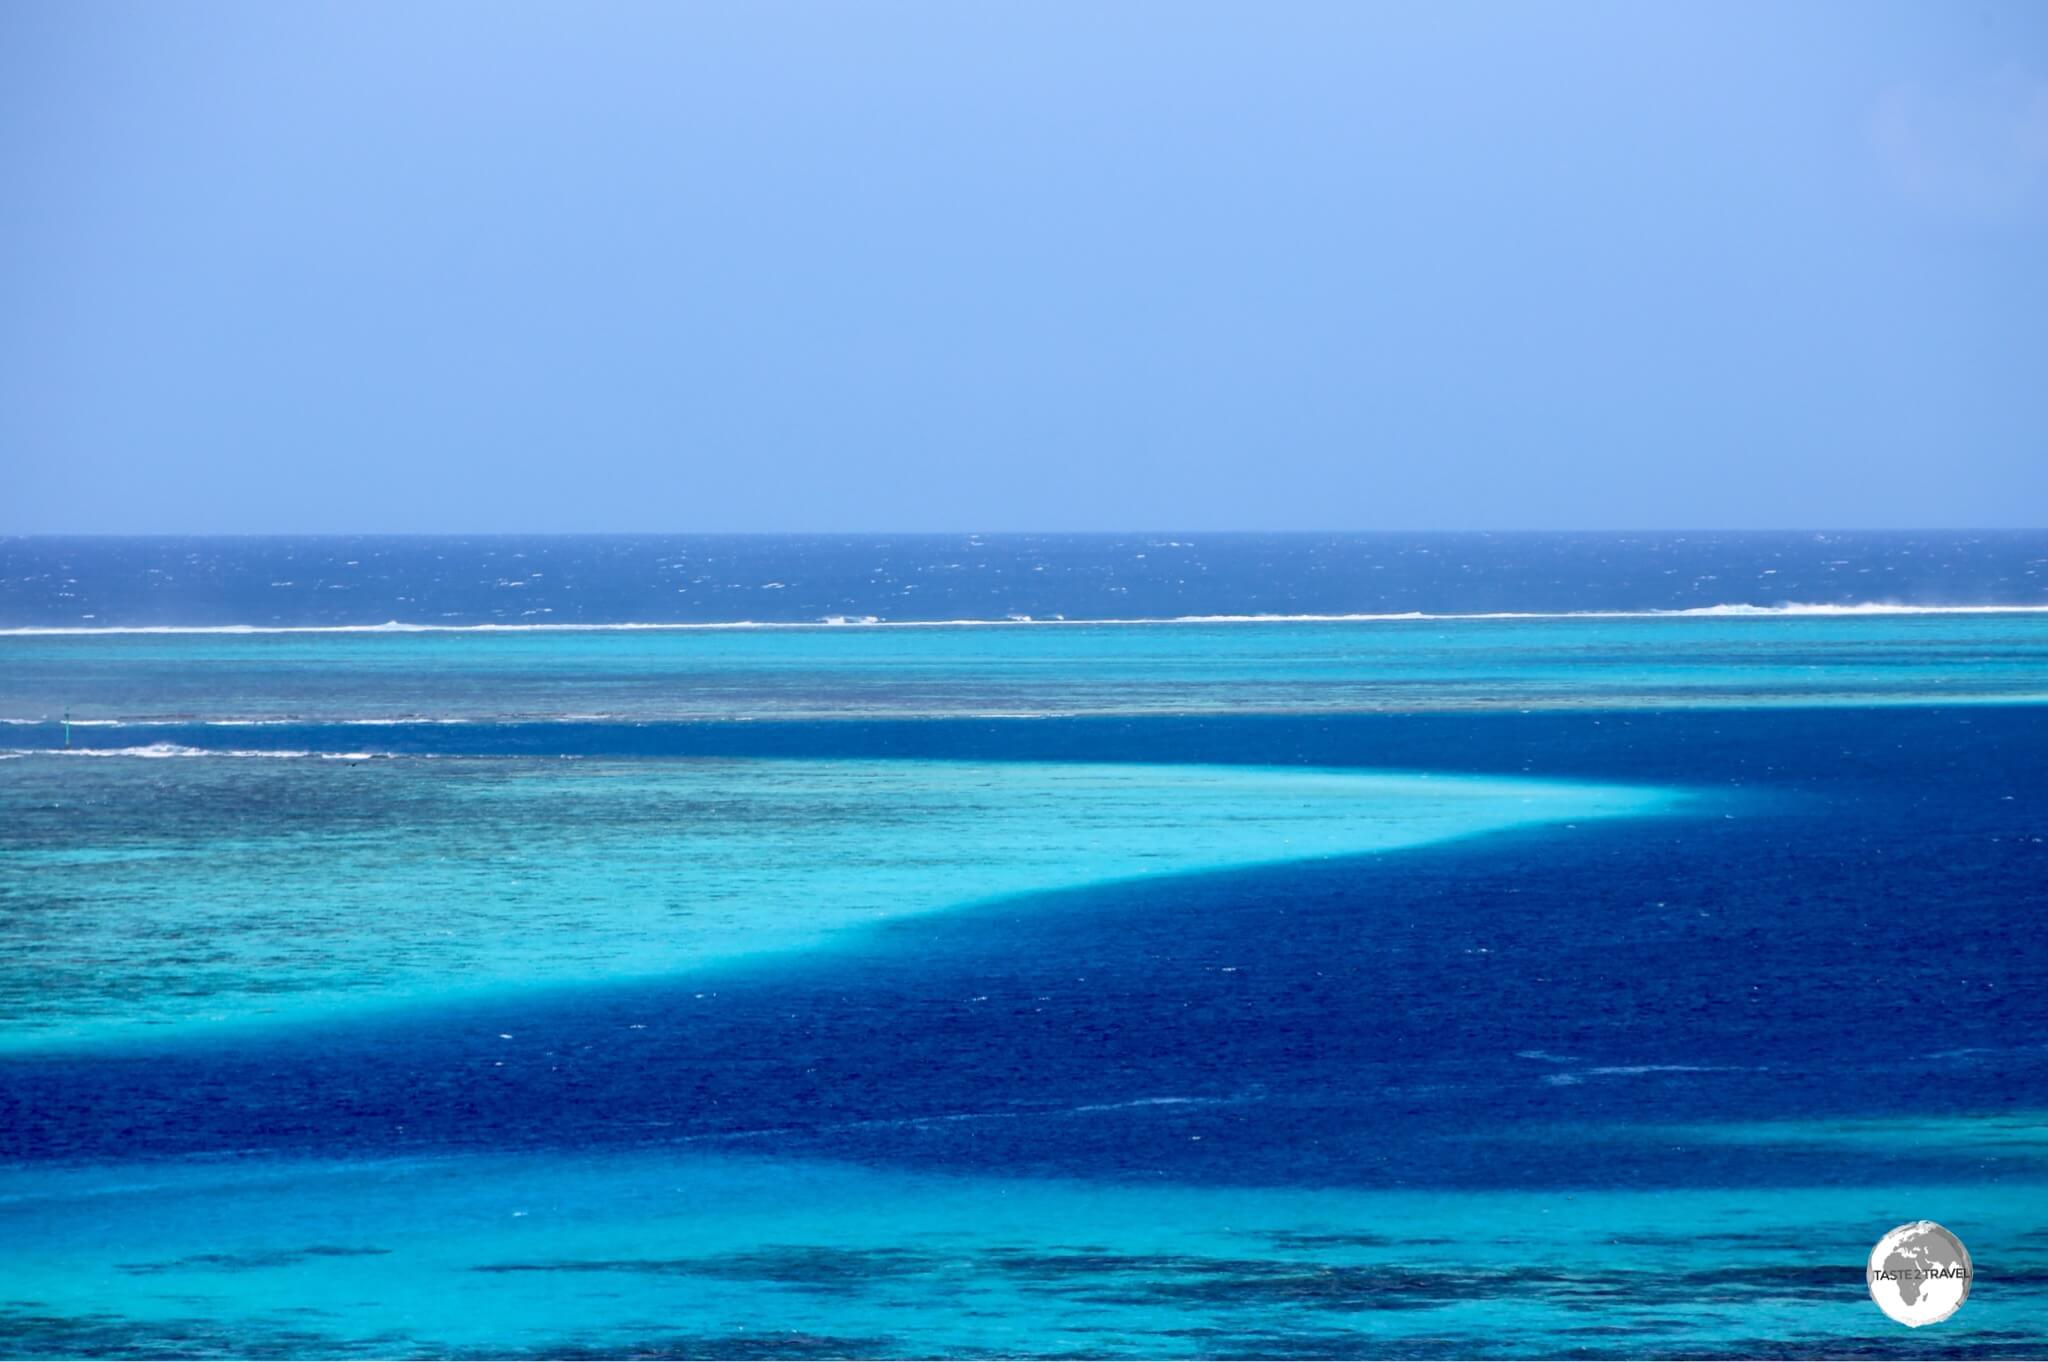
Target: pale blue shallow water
[(439, 876), (1564, 987), (369, 680), (736, 1255)]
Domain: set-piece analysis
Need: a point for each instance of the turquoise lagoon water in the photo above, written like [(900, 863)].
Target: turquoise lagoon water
[(368, 679), (1589, 987), (155, 892), (736, 1255)]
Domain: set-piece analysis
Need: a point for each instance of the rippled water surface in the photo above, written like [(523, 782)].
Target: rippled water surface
[(1570, 987)]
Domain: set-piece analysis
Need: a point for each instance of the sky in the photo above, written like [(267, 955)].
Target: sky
[(418, 267)]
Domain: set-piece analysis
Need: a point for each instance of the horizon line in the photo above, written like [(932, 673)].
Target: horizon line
[(23, 536)]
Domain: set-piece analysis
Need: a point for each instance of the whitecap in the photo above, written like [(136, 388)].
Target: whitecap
[(1725, 611)]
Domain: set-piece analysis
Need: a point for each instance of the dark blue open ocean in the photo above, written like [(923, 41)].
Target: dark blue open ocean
[(1278, 946), (784, 579)]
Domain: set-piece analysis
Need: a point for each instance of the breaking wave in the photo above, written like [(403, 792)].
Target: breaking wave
[(171, 749), (1730, 611)]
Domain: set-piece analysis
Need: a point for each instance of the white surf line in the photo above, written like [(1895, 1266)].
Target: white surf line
[(1862, 610), (159, 750)]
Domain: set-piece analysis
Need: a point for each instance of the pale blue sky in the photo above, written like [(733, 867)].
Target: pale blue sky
[(418, 266)]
